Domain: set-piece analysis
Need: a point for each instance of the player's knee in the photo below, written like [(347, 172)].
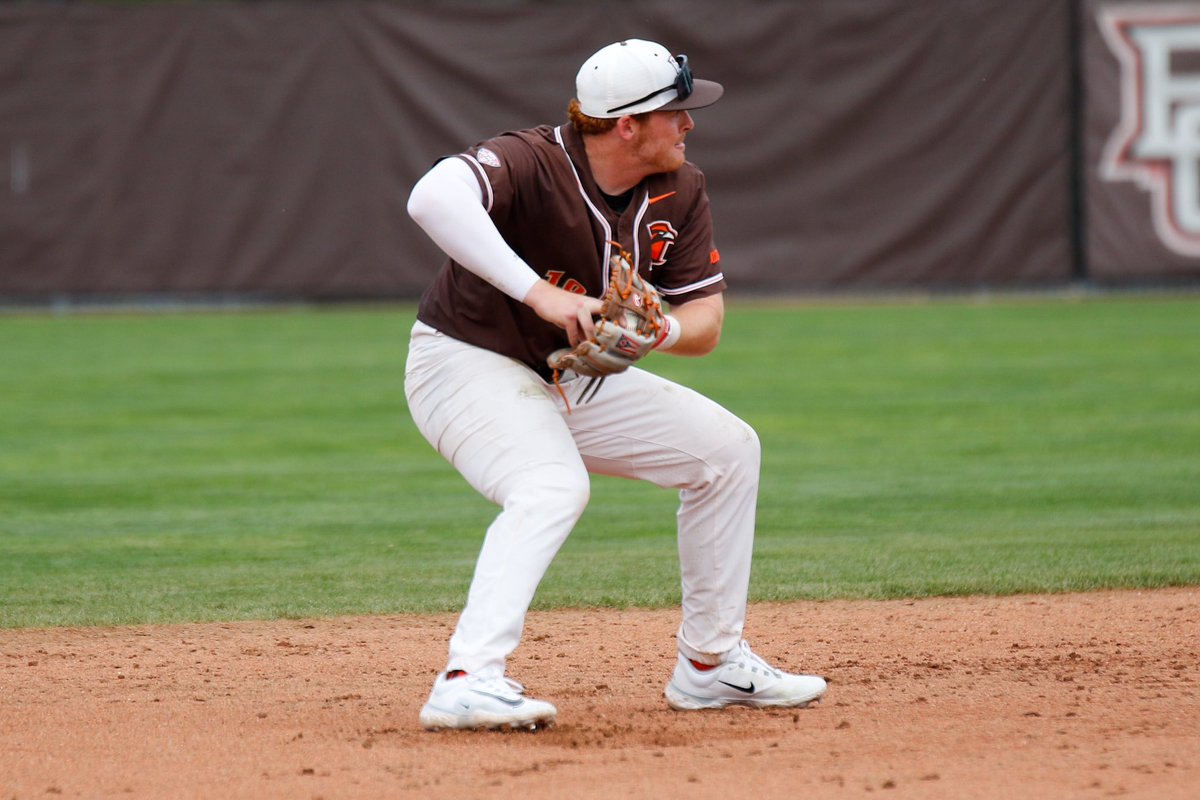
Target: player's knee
[(556, 490), (738, 445), (571, 493), (734, 458)]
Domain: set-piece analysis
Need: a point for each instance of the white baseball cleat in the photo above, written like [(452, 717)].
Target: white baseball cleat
[(469, 701), (743, 680)]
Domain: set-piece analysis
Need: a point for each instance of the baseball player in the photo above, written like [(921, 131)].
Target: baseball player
[(514, 381)]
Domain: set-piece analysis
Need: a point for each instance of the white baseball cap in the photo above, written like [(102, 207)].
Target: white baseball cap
[(635, 76)]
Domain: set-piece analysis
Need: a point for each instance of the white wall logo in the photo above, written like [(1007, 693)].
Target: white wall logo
[(1157, 142)]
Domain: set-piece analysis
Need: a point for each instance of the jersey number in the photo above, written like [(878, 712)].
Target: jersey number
[(555, 276)]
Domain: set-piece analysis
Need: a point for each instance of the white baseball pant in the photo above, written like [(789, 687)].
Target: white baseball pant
[(509, 434)]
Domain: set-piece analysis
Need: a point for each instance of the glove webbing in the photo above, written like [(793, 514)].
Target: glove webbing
[(660, 330), (616, 305)]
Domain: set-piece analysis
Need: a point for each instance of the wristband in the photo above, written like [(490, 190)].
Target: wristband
[(674, 331)]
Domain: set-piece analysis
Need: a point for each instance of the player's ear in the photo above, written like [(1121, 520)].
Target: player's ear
[(627, 127)]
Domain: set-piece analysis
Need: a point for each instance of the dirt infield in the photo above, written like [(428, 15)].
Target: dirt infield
[(1066, 696)]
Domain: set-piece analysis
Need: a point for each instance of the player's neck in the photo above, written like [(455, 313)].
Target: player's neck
[(612, 168)]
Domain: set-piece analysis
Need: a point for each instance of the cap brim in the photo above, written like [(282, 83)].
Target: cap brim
[(704, 93)]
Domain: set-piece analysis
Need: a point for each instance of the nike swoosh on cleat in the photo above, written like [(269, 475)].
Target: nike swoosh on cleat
[(749, 690), (505, 700)]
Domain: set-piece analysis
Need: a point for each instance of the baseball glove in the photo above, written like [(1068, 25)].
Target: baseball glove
[(630, 325)]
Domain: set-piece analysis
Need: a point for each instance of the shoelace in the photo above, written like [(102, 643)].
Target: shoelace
[(754, 658), (501, 685)]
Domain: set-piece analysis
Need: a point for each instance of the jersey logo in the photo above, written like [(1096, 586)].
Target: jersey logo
[(1156, 144), (662, 236), (487, 157)]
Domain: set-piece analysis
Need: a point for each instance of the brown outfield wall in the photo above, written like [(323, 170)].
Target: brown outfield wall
[(267, 149)]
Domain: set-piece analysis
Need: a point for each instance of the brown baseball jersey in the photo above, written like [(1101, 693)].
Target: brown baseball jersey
[(539, 192)]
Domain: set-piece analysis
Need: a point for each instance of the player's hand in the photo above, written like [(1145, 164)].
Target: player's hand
[(570, 311)]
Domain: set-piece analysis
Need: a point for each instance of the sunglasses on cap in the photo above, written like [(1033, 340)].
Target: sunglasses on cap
[(682, 85)]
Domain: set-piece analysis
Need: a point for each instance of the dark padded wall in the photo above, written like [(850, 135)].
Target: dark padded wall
[(268, 148)]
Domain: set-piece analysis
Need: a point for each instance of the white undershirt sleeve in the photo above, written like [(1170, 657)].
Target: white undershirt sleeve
[(447, 204)]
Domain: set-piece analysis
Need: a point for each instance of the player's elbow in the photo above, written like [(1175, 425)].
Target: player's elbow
[(706, 341), (711, 341)]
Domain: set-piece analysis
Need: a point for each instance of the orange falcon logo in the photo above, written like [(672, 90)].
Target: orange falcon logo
[(662, 236)]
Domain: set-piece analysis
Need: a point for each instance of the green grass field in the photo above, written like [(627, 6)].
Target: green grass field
[(201, 466)]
